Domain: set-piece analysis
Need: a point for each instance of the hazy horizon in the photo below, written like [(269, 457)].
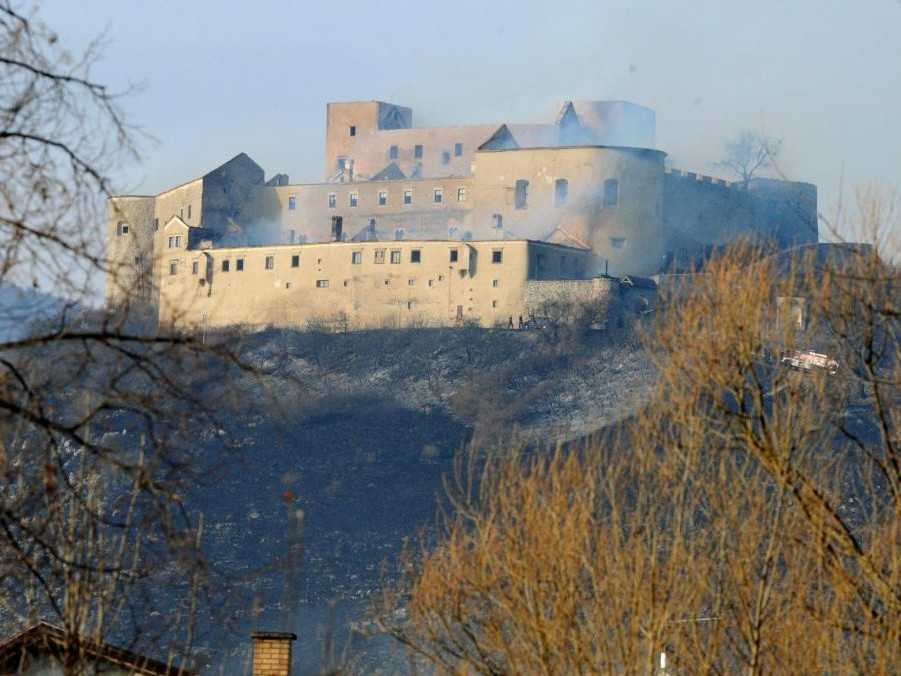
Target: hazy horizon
[(825, 77)]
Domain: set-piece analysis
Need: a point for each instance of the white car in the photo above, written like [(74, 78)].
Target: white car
[(807, 360)]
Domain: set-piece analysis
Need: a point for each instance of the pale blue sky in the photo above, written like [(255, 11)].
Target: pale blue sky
[(225, 77)]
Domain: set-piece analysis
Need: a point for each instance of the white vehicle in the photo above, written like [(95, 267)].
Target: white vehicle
[(807, 360)]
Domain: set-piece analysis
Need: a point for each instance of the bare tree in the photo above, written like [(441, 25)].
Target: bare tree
[(100, 414), (747, 521), (749, 154)]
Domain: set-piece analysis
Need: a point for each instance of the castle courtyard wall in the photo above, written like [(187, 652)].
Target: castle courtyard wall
[(356, 284)]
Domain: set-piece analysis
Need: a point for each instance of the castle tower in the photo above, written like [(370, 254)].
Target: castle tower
[(351, 122)]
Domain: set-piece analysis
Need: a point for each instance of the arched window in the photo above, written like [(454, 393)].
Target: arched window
[(561, 192), (522, 194), (611, 193)]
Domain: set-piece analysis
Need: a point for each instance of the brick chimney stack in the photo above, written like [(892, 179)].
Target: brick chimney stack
[(272, 653)]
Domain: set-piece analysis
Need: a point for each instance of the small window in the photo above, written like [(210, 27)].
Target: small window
[(173, 267), (461, 194), (497, 256), (498, 221), (438, 195), (354, 199), (295, 261), (392, 153), (189, 212), (416, 256), (617, 242), (356, 258), (611, 193), (332, 200), (122, 229), (383, 198), (292, 202), (522, 194), (270, 262), (495, 283), (561, 192), (175, 242), (408, 197), (410, 304), (181, 212), (445, 157), (411, 282), (292, 236), (225, 265), (353, 130), (195, 267), (321, 283), (431, 282), (399, 233), (379, 256), (494, 303), (239, 265), (417, 152), (458, 149), (440, 278), (454, 255), (395, 256), (156, 224)]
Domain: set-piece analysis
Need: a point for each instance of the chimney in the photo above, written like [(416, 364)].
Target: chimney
[(272, 653)]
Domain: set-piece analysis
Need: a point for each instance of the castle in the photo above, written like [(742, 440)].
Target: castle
[(435, 225)]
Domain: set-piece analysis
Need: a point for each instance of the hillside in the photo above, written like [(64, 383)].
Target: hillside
[(362, 429)]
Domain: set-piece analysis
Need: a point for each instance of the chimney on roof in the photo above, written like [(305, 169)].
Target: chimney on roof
[(272, 653)]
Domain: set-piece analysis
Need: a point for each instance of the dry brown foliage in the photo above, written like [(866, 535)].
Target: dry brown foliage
[(747, 521)]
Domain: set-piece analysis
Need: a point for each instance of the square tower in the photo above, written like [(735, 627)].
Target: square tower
[(347, 126)]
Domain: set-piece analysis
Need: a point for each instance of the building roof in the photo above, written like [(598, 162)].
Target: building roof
[(47, 639)]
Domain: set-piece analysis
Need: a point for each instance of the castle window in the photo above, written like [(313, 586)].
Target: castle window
[(175, 241), (495, 283), (156, 224), (561, 192), (383, 199), (411, 282), (416, 256), (395, 256), (399, 233), (379, 256), (356, 258), (292, 236), (522, 194), (195, 267), (445, 157), (295, 261), (458, 149), (173, 267), (239, 265), (181, 212), (410, 302), (498, 221), (431, 282), (270, 262), (189, 212), (497, 256), (354, 199), (353, 130), (611, 193), (321, 283), (225, 265), (617, 242), (438, 195), (454, 255), (461, 194), (392, 153), (122, 229), (332, 200), (408, 197), (417, 152), (494, 303), (292, 202)]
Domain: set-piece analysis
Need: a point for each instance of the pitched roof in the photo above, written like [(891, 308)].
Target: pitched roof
[(44, 638)]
